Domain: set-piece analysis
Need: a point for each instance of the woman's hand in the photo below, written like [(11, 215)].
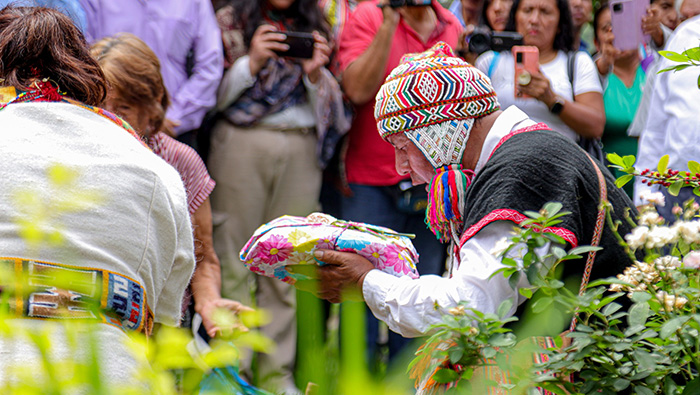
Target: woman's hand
[(266, 40), (320, 57), (651, 24), (538, 87), (208, 307), (608, 55)]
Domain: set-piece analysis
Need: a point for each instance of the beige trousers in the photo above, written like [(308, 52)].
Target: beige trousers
[(260, 175)]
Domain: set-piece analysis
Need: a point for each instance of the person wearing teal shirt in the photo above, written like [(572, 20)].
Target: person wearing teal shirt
[(623, 90)]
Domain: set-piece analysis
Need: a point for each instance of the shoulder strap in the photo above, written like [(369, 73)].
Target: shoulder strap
[(494, 62), (571, 68), (597, 234)]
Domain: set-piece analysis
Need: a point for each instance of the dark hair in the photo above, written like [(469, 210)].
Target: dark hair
[(564, 39), (483, 18), (37, 43), (301, 16), (596, 17)]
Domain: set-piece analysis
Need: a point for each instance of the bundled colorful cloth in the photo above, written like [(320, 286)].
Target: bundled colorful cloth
[(292, 240)]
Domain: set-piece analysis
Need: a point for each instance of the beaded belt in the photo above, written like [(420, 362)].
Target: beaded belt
[(46, 290)]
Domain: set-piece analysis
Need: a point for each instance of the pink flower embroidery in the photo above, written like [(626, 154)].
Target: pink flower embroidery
[(326, 243), (275, 249), (375, 253), (398, 259)]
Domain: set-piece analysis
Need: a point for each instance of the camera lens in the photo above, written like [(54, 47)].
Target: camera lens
[(479, 42), (617, 7)]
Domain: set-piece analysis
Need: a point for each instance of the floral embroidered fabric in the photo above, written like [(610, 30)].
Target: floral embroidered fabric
[(290, 240)]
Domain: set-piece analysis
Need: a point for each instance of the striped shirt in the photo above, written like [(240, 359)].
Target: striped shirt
[(187, 162)]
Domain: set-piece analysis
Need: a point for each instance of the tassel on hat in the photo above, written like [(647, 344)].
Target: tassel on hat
[(446, 201)]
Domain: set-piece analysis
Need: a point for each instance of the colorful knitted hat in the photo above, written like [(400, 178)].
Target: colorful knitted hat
[(433, 97)]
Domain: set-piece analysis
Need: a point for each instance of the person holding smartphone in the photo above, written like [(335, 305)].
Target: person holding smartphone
[(273, 101), (564, 91)]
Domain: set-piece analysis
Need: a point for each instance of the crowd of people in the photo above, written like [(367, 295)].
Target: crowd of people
[(253, 134)]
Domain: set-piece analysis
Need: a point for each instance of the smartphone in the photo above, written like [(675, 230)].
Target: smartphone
[(626, 17), (301, 45), (527, 58)]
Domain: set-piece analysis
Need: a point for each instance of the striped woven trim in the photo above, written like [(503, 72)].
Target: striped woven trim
[(427, 69), (469, 99), (517, 218), (483, 114)]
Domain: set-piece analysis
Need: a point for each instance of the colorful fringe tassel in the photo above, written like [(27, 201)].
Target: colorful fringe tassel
[(446, 200)]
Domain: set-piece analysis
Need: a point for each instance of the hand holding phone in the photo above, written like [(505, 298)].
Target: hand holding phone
[(301, 45), (527, 62), (265, 44)]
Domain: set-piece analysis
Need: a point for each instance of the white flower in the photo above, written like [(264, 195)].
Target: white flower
[(650, 218), (638, 237), (689, 231), (692, 260), (656, 198), (659, 236), (667, 262), (500, 247), (671, 301)]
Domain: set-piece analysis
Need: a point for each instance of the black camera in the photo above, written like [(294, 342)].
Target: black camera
[(483, 40), (401, 3)]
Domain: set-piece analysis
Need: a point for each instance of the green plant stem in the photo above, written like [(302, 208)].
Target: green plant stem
[(614, 226), (688, 351)]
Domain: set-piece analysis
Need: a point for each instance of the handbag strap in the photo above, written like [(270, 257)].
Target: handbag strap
[(597, 234)]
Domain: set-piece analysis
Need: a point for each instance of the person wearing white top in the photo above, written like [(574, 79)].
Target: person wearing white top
[(570, 104), (671, 124)]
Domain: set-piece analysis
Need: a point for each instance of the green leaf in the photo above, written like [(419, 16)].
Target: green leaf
[(552, 208), (675, 188), (670, 386), (674, 56), (694, 167), (643, 391), (640, 297), (692, 388), (488, 352), (620, 182), (628, 160), (620, 384), (526, 292), (638, 314), (500, 340), (692, 53), (584, 249), (644, 359), (672, 325), (663, 164), (541, 304), (514, 279), (445, 376), (611, 309), (615, 159), (504, 308), (455, 354)]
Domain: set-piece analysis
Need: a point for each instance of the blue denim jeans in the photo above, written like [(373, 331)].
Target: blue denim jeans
[(377, 205)]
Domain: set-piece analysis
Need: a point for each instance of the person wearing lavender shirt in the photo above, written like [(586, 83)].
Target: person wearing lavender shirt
[(185, 37), (70, 8)]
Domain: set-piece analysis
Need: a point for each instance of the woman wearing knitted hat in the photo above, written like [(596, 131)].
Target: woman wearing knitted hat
[(485, 168)]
